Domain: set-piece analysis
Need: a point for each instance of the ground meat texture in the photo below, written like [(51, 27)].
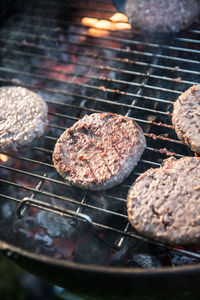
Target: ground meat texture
[(186, 117), (162, 15), (23, 117), (99, 150), (164, 203)]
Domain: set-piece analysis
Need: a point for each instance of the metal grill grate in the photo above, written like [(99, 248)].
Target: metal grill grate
[(126, 72)]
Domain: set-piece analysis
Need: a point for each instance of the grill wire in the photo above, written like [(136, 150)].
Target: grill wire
[(133, 74)]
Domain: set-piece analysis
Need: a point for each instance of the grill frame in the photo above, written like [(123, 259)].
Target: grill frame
[(142, 85), (98, 282)]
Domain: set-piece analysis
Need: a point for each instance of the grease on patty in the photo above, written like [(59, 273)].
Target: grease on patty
[(162, 15), (186, 117), (23, 117), (99, 150), (164, 203)]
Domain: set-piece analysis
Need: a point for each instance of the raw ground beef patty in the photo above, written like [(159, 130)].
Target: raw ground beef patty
[(23, 117), (164, 203), (99, 150), (186, 117), (162, 15)]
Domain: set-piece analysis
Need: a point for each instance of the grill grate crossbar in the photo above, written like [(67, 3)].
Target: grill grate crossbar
[(82, 217), (101, 78)]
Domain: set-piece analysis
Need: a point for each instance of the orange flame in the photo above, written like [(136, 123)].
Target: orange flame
[(3, 157), (102, 27)]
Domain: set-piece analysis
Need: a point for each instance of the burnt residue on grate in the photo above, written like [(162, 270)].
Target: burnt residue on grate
[(45, 47)]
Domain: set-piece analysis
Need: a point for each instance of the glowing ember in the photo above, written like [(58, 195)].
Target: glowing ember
[(119, 17), (98, 28), (3, 158)]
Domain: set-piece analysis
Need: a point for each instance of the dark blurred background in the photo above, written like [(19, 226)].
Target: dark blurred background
[(17, 284)]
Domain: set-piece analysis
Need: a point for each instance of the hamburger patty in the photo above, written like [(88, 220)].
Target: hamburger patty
[(162, 15), (99, 150), (164, 203), (186, 117), (23, 117)]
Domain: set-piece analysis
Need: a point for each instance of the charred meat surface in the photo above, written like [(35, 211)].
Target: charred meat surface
[(164, 203), (23, 117), (186, 117), (162, 15), (99, 150)]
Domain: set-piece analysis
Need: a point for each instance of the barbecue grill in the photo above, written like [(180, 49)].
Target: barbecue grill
[(82, 240)]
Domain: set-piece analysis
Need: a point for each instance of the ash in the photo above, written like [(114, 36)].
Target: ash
[(54, 224), (29, 222), (44, 239), (183, 260), (146, 261), (136, 253), (6, 210)]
